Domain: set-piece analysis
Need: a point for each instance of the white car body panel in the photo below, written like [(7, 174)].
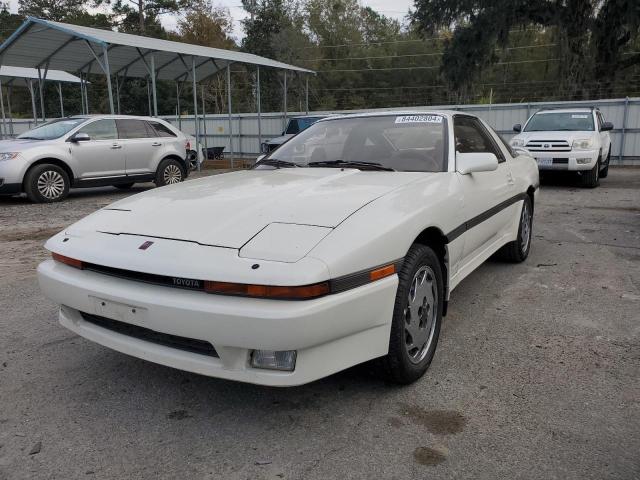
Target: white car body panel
[(287, 227)]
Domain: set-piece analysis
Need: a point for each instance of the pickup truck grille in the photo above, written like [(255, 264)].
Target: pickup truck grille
[(548, 146)]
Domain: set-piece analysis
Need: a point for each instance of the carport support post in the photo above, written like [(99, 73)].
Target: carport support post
[(178, 113), (40, 91), (153, 85), (204, 120), (9, 92), (61, 101), (229, 109), (625, 116), (4, 120), (81, 94), (107, 72), (259, 111), (33, 103), (306, 94), (195, 110), (117, 94), (285, 99)]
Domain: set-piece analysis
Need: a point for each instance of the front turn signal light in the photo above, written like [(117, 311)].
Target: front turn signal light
[(268, 291), (72, 262), (382, 272)]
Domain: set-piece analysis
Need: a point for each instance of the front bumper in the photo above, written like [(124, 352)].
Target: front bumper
[(574, 160), (329, 333), (11, 175)]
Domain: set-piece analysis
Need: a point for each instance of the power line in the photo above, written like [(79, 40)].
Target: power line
[(432, 67)]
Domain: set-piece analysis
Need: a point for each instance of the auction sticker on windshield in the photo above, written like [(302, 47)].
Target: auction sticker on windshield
[(419, 119)]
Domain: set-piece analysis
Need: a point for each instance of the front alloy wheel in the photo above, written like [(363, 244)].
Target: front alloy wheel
[(417, 316), (46, 183)]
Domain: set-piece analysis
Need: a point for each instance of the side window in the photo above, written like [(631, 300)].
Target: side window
[(101, 130), (471, 137), (130, 128), (600, 119), (510, 149), (161, 130)]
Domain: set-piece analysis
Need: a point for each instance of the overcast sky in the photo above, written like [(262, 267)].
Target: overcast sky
[(391, 8)]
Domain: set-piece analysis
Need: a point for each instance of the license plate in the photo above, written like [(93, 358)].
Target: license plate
[(120, 311), (544, 162)]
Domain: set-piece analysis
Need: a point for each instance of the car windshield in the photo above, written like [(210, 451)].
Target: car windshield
[(296, 125), (572, 121), (52, 129), (390, 142)]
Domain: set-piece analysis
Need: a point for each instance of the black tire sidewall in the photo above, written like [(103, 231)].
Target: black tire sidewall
[(159, 180), (402, 370), (524, 254), (31, 183)]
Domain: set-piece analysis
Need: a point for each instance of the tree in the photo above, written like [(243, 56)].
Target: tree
[(143, 16), (57, 10), (581, 27), (204, 24)]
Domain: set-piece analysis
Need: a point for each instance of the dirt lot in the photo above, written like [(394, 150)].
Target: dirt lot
[(537, 374)]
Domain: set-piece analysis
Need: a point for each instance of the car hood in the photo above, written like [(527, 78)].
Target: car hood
[(18, 145), (228, 210), (279, 140), (569, 136)]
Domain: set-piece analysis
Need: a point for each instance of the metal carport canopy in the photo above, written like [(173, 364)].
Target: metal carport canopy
[(54, 45), (21, 75)]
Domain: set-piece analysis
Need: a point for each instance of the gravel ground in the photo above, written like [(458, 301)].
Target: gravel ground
[(536, 374)]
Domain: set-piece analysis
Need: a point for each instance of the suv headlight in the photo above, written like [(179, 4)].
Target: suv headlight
[(8, 155), (582, 144), (516, 142)]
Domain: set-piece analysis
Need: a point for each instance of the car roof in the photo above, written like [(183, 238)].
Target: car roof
[(122, 117), (386, 113), (567, 110)]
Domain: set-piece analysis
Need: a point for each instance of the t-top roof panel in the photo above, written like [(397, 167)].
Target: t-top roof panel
[(21, 75), (75, 48)]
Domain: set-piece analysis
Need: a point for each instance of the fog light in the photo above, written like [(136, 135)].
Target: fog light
[(583, 161), (272, 360)]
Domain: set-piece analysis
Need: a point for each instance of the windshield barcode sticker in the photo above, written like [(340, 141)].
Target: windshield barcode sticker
[(419, 119), (579, 116)]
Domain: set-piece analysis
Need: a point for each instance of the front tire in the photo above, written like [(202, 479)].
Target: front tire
[(169, 172), (604, 173), (417, 317), (591, 178), (46, 183), (517, 251)]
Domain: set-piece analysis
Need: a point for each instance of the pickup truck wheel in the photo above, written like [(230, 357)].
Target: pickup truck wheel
[(417, 317), (46, 183), (518, 250), (169, 172), (591, 178), (605, 171)]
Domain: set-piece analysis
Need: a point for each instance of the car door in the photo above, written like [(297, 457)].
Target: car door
[(605, 137), (101, 155), (140, 145), (485, 193)]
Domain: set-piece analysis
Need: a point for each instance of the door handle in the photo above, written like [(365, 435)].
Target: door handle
[(156, 144), (510, 177), (115, 146)]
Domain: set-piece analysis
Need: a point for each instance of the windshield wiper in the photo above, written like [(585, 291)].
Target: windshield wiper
[(28, 138), (274, 162), (355, 164)]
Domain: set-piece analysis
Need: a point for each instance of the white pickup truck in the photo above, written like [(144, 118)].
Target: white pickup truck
[(571, 139)]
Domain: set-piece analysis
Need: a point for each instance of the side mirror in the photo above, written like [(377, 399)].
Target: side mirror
[(80, 137), (475, 162), (517, 128), (606, 126)]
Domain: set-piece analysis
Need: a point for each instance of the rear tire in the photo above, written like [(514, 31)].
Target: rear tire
[(124, 186), (46, 183), (417, 317), (169, 172), (604, 173), (517, 251), (591, 178)]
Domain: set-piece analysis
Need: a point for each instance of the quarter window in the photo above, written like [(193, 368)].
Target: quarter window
[(129, 128), (101, 130), (161, 130), (472, 137)]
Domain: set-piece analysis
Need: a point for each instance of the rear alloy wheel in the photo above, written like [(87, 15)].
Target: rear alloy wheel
[(417, 317), (46, 183), (169, 172), (518, 250), (591, 178)]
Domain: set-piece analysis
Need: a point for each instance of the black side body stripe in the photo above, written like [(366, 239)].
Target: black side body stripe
[(478, 219)]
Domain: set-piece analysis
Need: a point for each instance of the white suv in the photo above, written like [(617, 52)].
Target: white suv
[(574, 139), (91, 151)]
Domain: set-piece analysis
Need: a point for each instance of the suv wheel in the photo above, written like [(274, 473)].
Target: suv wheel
[(46, 183), (605, 171), (169, 172), (591, 178)]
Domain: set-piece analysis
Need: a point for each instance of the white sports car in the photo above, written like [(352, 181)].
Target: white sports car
[(341, 246)]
